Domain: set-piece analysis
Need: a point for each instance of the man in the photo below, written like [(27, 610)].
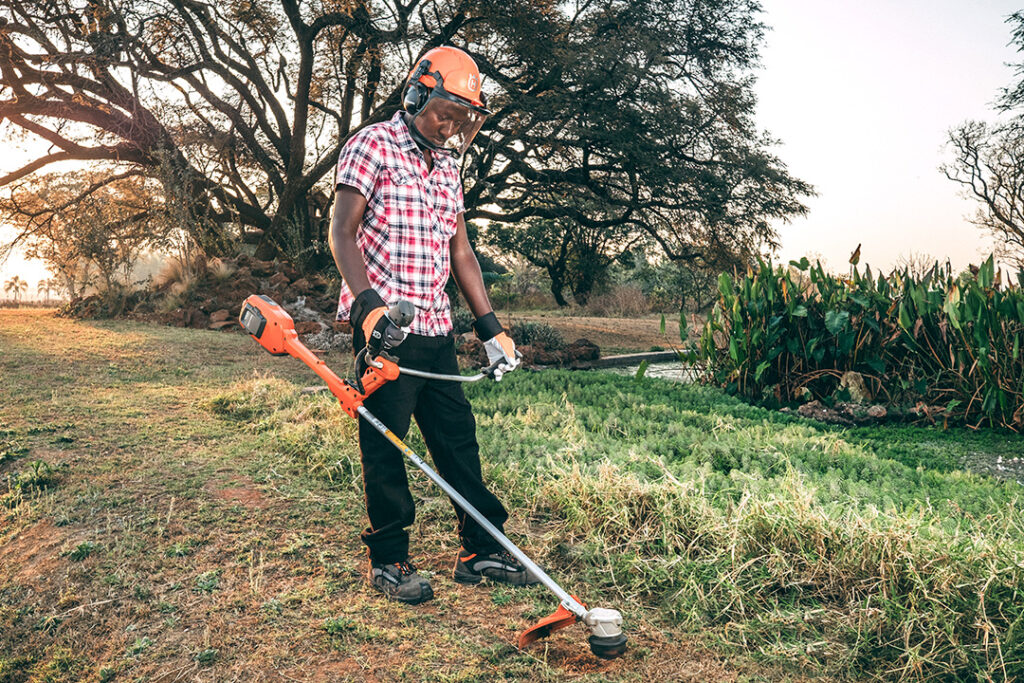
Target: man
[(396, 233)]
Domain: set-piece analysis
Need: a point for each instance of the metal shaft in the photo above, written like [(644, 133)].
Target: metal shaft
[(568, 601)]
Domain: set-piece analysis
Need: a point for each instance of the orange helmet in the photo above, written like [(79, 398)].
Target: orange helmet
[(449, 74)]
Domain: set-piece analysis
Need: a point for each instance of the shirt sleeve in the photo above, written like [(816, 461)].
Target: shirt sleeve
[(455, 183), (359, 163)]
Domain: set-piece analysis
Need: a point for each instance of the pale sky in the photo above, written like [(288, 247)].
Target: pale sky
[(861, 96)]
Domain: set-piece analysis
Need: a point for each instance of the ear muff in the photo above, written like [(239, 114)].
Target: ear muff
[(415, 97), (417, 93)]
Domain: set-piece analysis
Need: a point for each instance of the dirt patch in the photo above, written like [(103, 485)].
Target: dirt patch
[(244, 493), (612, 335), (33, 553)]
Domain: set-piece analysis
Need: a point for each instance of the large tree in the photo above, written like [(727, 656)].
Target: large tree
[(89, 227), (989, 164), (607, 112)]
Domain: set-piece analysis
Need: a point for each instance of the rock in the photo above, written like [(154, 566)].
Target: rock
[(262, 268), (877, 412), (320, 284), (328, 339), (809, 409), (196, 318), (309, 327), (853, 382), (279, 280), (327, 304), (220, 315), (223, 324), (244, 286), (542, 357), (582, 350), (176, 318), (528, 355), (287, 269)]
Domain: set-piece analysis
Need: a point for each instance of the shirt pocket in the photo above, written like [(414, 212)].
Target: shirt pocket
[(446, 208)]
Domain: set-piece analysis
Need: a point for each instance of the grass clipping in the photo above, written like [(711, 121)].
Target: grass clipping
[(770, 558)]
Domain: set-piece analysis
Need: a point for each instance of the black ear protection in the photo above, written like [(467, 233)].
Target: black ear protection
[(417, 94)]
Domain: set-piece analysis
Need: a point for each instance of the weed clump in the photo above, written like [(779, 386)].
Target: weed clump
[(310, 430), (30, 482)]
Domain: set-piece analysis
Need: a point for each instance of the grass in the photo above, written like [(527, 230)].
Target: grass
[(221, 509)]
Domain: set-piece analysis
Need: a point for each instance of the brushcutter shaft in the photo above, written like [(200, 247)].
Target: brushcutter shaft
[(568, 601)]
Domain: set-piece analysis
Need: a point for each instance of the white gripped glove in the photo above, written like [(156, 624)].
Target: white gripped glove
[(499, 346), (501, 349)]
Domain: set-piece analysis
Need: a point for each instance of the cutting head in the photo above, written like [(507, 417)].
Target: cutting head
[(606, 640)]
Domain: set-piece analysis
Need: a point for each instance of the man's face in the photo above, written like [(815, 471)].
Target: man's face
[(440, 120)]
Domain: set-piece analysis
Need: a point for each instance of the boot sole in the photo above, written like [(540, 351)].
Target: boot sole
[(469, 579), (473, 579), (426, 594)]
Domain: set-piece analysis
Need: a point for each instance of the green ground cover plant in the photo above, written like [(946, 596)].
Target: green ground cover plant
[(843, 550), (949, 341)]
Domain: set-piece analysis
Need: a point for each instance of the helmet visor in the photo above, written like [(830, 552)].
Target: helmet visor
[(449, 122)]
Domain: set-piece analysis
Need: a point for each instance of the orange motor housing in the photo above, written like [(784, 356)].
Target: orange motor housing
[(269, 324), (274, 329)]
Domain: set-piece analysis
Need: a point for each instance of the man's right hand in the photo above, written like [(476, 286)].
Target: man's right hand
[(375, 322), (368, 314)]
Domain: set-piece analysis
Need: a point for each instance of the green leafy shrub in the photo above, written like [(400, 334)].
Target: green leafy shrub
[(538, 335), (462, 320), (952, 341)]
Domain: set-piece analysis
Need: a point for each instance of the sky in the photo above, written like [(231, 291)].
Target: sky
[(861, 96)]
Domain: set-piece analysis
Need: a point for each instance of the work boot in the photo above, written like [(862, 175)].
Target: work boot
[(399, 581), (500, 566)]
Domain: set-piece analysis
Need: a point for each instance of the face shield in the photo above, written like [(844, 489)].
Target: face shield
[(448, 122)]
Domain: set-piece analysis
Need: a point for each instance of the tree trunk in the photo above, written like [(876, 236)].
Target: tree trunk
[(557, 285), (300, 237)]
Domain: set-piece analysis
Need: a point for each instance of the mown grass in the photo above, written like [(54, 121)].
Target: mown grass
[(867, 552)]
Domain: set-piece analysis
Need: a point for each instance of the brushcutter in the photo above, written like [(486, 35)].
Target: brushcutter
[(274, 329)]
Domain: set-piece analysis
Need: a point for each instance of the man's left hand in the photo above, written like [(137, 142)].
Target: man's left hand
[(501, 349)]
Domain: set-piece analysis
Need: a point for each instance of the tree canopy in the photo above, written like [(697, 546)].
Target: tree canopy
[(610, 114), (989, 164)]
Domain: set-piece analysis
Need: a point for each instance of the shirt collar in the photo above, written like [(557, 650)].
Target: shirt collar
[(407, 144)]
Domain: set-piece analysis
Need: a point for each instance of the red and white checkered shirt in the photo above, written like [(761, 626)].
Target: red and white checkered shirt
[(410, 218)]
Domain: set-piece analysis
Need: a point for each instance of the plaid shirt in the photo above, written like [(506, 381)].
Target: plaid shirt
[(410, 218)]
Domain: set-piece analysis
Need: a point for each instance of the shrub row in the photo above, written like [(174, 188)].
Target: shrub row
[(949, 342)]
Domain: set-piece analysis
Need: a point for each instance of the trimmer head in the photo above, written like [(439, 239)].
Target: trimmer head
[(606, 641)]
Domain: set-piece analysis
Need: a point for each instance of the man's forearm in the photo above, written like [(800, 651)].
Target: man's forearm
[(469, 278), (348, 212)]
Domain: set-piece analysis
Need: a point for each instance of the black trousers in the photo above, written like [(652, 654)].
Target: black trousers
[(446, 421)]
